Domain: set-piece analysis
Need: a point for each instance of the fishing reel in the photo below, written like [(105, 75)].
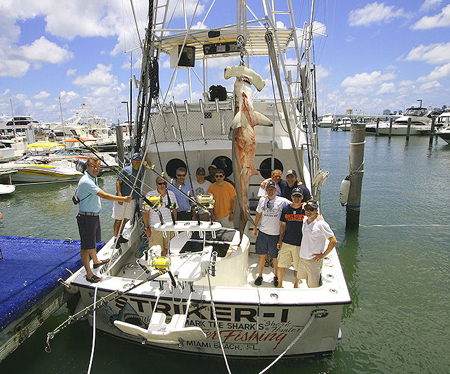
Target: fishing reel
[(155, 201), (206, 200)]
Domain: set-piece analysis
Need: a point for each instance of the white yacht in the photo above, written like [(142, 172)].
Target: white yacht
[(420, 119), (442, 124)]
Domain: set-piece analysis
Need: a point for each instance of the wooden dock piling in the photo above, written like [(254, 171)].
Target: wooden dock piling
[(356, 160)]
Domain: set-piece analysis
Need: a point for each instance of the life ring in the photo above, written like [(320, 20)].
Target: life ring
[(345, 188)]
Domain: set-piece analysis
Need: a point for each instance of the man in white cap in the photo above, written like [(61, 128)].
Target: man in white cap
[(268, 212)]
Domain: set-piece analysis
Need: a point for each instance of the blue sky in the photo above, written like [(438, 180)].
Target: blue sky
[(370, 56)]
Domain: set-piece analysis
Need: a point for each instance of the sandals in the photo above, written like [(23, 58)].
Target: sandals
[(93, 279), (102, 262)]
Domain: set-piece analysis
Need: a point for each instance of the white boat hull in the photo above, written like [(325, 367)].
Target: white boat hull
[(401, 130), (261, 321), (29, 173)]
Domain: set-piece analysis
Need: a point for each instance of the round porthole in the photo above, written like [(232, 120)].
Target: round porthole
[(173, 165), (224, 163), (265, 168)]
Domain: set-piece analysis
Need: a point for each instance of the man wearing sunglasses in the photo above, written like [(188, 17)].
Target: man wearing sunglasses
[(268, 212), (312, 250), (225, 200), (151, 218), (184, 205)]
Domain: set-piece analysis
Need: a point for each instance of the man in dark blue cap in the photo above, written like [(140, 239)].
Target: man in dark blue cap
[(128, 181)]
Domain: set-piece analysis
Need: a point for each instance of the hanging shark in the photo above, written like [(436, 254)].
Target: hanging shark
[(243, 135)]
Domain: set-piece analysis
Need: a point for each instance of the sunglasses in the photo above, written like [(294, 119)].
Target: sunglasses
[(200, 173), (181, 175), (309, 208), (219, 176), (160, 184)]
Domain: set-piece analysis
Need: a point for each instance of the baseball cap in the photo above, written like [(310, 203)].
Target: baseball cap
[(137, 155), (297, 192), (199, 170), (312, 204), (291, 172), (270, 184)]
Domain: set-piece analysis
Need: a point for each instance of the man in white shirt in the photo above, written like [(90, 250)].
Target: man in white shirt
[(268, 211), (312, 250)]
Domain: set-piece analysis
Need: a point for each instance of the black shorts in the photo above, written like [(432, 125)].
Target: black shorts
[(90, 231)]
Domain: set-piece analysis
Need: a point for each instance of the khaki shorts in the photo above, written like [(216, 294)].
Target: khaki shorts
[(157, 238), (310, 270), (124, 211), (225, 222), (287, 255)]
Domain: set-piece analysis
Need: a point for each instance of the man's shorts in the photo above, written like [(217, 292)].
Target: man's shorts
[(124, 211), (310, 270), (267, 244), (157, 238), (288, 254), (90, 231)]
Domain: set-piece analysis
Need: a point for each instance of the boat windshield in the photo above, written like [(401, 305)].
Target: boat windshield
[(419, 112)]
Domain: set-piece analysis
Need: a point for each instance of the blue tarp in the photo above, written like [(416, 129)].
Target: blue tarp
[(30, 270)]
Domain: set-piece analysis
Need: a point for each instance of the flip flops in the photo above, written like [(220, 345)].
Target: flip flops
[(93, 279), (102, 262)]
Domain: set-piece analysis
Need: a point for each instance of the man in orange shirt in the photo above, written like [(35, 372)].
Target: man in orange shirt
[(225, 197)]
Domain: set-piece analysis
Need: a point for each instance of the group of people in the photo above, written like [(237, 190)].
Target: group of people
[(290, 230), (175, 205)]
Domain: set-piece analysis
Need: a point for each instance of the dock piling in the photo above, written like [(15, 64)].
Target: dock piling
[(356, 166)]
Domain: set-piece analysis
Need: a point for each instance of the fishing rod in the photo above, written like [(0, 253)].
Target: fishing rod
[(197, 205), (128, 182), (161, 265), (206, 203)]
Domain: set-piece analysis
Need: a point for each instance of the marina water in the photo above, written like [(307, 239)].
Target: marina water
[(397, 268)]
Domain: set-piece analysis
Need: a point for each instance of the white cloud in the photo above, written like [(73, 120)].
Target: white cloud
[(374, 13), (429, 4), (437, 53), (100, 77), (41, 95), (430, 86), (439, 72), (13, 68), (42, 50), (430, 22), (386, 88), (71, 72)]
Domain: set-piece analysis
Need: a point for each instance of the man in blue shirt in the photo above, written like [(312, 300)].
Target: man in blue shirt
[(129, 181), (88, 218), (184, 205)]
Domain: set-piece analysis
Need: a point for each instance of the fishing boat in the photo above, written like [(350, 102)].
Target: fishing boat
[(202, 297), (443, 126)]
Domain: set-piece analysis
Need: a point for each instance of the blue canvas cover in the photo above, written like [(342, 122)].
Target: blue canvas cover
[(30, 270)]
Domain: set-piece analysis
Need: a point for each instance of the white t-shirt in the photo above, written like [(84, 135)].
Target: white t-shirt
[(200, 189), (314, 238), (270, 214), (167, 216)]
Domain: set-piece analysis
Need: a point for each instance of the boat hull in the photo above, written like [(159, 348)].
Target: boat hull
[(261, 321), (42, 173)]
